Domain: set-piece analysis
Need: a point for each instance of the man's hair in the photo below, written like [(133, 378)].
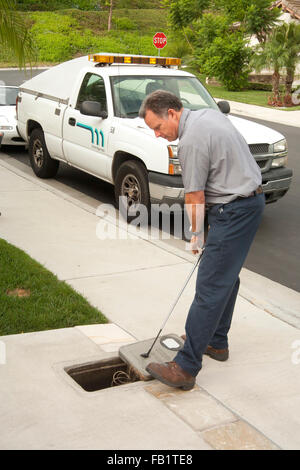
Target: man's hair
[(159, 102)]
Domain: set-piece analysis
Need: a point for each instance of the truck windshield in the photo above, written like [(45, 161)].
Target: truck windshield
[(8, 96), (130, 91)]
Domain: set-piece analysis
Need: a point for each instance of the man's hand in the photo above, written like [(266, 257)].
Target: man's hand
[(195, 206), (196, 244)]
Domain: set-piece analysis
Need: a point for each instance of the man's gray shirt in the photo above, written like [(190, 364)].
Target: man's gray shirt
[(215, 158)]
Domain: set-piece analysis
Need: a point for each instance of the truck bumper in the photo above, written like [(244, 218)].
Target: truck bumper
[(12, 137), (166, 189), (276, 183), (169, 190)]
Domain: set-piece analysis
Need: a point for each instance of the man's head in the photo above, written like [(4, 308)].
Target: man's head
[(161, 111)]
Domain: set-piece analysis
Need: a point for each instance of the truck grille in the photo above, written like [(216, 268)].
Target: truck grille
[(262, 163), (257, 149)]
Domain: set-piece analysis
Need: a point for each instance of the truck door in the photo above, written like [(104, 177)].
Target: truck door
[(85, 138)]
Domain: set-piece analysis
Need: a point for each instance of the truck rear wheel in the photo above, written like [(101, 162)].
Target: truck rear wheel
[(132, 183), (42, 164)]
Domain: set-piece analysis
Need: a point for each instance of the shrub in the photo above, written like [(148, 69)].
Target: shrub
[(124, 24), (227, 59)]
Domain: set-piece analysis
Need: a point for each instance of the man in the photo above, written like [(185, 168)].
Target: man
[(217, 170)]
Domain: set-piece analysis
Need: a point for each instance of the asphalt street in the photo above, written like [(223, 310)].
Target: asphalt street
[(17, 77), (275, 252)]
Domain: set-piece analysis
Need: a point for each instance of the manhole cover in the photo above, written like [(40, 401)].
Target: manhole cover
[(164, 350)]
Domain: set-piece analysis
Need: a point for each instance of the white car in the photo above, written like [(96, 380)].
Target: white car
[(8, 122)]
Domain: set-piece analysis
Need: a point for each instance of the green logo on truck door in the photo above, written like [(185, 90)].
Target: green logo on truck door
[(94, 133)]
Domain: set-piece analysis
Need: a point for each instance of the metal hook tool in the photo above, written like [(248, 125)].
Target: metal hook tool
[(175, 303)]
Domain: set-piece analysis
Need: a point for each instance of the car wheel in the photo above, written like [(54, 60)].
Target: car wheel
[(131, 185), (42, 164)]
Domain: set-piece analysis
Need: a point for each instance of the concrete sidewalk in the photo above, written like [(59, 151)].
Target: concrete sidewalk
[(250, 402), (289, 118)]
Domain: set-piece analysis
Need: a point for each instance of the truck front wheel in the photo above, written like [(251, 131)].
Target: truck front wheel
[(42, 164), (131, 184)]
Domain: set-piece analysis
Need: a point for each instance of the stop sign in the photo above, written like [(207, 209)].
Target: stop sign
[(159, 40)]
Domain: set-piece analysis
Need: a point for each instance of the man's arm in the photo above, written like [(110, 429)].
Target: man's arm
[(195, 206)]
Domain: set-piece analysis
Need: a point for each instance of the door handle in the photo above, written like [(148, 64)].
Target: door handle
[(72, 121)]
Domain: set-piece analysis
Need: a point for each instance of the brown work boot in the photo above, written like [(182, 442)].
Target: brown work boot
[(170, 373), (217, 354)]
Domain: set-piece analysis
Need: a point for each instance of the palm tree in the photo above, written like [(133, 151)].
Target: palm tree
[(14, 33), (272, 55), (292, 45)]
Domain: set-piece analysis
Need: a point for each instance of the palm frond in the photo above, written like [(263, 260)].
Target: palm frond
[(14, 33)]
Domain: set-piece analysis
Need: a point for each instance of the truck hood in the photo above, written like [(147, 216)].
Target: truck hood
[(252, 132), (255, 133), (140, 125)]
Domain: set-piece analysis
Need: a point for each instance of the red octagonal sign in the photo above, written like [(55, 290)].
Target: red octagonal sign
[(159, 40)]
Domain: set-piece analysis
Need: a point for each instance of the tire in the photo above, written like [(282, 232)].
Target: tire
[(42, 164), (132, 182)]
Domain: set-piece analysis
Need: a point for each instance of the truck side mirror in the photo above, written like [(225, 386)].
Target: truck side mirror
[(92, 108), (224, 106)]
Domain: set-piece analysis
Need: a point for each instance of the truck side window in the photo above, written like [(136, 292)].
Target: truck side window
[(92, 89)]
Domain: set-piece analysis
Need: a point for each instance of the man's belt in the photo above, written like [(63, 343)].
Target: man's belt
[(259, 190)]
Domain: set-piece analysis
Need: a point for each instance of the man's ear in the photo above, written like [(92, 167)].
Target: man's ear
[(172, 114)]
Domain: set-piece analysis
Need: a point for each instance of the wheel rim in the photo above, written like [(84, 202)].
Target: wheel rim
[(131, 189), (38, 153)]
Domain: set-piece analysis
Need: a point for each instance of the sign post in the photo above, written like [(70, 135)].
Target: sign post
[(159, 41)]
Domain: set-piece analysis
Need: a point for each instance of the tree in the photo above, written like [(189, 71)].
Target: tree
[(255, 16), (110, 15), (107, 3), (220, 46), (291, 33), (260, 19), (272, 54), (14, 33), (183, 12), (227, 58), (220, 51)]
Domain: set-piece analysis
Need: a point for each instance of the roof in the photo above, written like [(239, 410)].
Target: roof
[(291, 6)]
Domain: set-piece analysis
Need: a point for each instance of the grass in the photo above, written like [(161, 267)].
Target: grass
[(257, 97), (64, 34), (146, 20), (33, 299)]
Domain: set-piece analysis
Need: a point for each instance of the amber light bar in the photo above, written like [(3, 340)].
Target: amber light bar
[(126, 59)]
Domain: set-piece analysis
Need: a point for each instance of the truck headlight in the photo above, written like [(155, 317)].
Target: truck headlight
[(174, 164), (280, 161), (6, 128), (280, 146)]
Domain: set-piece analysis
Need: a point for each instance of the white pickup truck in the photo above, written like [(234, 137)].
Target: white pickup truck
[(84, 112)]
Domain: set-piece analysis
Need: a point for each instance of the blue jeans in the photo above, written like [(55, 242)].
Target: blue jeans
[(232, 230)]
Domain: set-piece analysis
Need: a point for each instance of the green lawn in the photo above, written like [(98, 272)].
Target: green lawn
[(257, 97), (33, 299)]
